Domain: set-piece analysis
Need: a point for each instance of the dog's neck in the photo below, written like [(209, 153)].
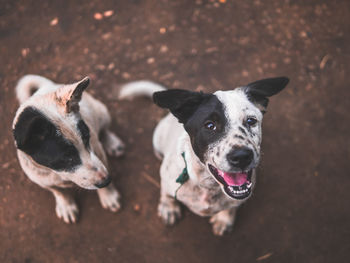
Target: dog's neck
[(194, 166)]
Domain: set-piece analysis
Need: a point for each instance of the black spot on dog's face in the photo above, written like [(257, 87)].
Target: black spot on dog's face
[(239, 137), (84, 133), (242, 130), (38, 137), (206, 126)]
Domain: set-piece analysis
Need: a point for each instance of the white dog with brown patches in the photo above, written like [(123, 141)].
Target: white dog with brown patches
[(61, 134), (209, 146)]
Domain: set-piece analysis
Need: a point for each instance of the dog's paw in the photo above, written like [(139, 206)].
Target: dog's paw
[(116, 151), (67, 211), (109, 199), (169, 212), (113, 145), (221, 224)]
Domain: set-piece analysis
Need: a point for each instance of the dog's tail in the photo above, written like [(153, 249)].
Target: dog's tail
[(139, 88), (29, 84)]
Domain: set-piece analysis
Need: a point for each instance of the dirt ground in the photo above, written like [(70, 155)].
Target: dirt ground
[(299, 211)]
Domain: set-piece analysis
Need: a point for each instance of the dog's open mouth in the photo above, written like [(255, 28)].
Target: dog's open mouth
[(236, 185)]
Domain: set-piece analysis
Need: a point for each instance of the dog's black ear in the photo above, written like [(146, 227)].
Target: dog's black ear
[(31, 129), (259, 91), (181, 103), (70, 95)]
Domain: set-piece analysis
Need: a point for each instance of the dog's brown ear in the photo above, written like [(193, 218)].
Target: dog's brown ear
[(70, 95)]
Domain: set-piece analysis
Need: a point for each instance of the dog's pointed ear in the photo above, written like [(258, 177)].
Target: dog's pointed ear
[(70, 95), (30, 130), (259, 91), (181, 103)]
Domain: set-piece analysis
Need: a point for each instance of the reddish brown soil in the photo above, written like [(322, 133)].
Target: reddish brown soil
[(300, 210)]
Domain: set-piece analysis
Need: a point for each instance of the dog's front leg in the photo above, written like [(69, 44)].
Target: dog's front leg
[(169, 209), (223, 221), (66, 208), (109, 198)]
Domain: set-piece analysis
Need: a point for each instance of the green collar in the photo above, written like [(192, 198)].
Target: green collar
[(183, 177)]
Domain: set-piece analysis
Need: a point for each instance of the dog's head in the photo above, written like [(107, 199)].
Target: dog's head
[(50, 129), (225, 129)]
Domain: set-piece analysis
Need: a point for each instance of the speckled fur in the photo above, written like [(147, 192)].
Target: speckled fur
[(201, 193)]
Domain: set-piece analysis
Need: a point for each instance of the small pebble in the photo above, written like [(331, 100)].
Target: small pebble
[(303, 34), (287, 60), (24, 52), (110, 66), (137, 208), (150, 60), (308, 87), (126, 75), (98, 16), (108, 13), (54, 21), (163, 49), (5, 165)]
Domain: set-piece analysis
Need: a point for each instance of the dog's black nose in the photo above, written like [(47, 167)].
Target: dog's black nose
[(240, 157), (104, 183)]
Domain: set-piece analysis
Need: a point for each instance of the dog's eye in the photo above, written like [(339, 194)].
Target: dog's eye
[(210, 125), (251, 121)]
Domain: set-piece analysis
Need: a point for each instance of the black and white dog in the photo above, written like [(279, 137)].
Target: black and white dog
[(210, 147), (62, 136)]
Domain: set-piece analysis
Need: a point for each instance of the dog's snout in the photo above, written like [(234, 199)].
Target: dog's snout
[(104, 183), (240, 157)]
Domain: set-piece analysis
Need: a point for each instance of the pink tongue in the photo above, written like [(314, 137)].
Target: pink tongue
[(234, 178)]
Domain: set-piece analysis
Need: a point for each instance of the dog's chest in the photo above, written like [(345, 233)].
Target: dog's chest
[(202, 201)]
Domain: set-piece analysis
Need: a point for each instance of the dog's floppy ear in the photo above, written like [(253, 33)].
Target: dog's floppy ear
[(31, 129), (181, 103), (259, 91), (70, 95)]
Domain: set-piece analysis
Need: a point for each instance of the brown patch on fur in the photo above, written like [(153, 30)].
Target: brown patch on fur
[(63, 97), (69, 95)]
